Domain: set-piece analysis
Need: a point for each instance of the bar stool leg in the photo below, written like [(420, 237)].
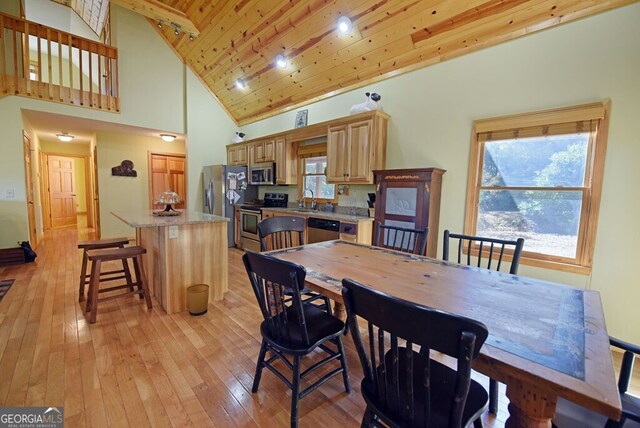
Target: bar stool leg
[(127, 272), (94, 289), (83, 275), (142, 279)]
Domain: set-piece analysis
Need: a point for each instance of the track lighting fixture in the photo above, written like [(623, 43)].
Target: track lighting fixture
[(281, 61), (160, 25)]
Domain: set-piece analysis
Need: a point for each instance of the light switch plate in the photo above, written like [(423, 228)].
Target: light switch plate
[(173, 232), (9, 193)]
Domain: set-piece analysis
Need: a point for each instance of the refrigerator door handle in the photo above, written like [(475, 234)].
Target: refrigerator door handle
[(209, 197)]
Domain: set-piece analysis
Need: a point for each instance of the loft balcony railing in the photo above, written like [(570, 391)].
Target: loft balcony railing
[(41, 62)]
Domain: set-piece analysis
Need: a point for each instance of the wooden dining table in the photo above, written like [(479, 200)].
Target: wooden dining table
[(545, 341)]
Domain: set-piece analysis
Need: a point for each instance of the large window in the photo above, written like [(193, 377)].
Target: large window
[(539, 176)]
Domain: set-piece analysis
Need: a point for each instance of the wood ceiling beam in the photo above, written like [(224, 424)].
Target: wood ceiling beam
[(160, 12)]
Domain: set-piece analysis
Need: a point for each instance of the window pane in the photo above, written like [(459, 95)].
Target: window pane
[(552, 161), (318, 184), (315, 165), (547, 220)]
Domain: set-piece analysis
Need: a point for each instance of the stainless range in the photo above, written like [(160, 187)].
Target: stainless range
[(251, 215)]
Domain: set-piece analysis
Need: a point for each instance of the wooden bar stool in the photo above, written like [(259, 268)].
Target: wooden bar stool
[(97, 257), (104, 276)]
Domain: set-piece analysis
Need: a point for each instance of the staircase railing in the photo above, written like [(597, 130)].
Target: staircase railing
[(41, 62)]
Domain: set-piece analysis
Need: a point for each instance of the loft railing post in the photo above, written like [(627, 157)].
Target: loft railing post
[(89, 52), (71, 93), (25, 57), (16, 88), (3, 55), (60, 81), (49, 65)]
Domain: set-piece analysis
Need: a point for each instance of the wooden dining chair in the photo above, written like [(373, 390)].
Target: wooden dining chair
[(490, 254), (570, 415), (406, 388), (291, 328), (281, 232), (401, 239)]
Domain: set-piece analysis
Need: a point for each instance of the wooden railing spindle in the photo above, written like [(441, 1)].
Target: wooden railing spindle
[(25, 56), (71, 97), (49, 65), (3, 56), (60, 81), (80, 74)]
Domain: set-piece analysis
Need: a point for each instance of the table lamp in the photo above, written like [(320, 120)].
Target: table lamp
[(169, 198)]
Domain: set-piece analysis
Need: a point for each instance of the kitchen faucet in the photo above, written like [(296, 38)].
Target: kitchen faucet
[(313, 200)]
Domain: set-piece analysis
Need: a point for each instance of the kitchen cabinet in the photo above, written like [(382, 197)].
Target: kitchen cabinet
[(356, 147), (286, 161), (410, 198), (237, 155), (263, 151), (356, 232)]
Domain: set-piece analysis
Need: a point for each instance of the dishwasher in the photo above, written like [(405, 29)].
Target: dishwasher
[(320, 230)]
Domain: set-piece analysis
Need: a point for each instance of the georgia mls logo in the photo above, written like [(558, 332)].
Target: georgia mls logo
[(31, 417)]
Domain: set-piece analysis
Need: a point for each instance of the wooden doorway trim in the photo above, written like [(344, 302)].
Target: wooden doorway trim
[(152, 197), (89, 184), (30, 193)]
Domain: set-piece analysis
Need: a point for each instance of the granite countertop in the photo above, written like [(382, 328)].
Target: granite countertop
[(322, 214), (147, 219)]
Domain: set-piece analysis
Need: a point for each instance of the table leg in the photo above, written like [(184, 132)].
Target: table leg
[(339, 311), (529, 406)]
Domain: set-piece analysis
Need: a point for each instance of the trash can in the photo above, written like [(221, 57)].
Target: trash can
[(198, 299)]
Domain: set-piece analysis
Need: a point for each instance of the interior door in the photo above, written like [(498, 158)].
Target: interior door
[(33, 236), (168, 172), (62, 191)]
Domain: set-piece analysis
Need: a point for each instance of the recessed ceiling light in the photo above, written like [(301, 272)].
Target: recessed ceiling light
[(168, 137), (281, 61), (345, 25), (64, 137), (240, 84)]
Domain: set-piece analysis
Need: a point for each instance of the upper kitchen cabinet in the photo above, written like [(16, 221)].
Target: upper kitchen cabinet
[(263, 151), (286, 161), (237, 155), (356, 145)]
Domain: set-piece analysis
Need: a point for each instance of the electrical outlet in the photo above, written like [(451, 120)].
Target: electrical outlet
[(173, 232), (9, 194)]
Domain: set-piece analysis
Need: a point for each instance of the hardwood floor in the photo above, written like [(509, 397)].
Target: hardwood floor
[(139, 368)]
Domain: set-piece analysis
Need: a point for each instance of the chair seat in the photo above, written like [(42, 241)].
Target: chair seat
[(320, 326), (442, 380)]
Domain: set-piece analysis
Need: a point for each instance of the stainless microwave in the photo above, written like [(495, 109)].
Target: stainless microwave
[(262, 173)]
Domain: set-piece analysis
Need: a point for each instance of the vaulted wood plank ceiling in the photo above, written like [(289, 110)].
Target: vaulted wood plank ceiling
[(241, 39)]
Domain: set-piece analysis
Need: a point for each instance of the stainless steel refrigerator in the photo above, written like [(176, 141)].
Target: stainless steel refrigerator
[(225, 186)]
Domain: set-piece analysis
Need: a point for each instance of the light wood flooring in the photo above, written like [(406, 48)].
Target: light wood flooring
[(144, 368)]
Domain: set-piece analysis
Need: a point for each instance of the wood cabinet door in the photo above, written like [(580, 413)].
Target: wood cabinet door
[(232, 153), (281, 160), (258, 152), (269, 151), (241, 155), (359, 148), (167, 173), (337, 155)]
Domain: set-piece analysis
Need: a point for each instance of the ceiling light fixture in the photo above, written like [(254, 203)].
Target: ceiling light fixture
[(345, 25), (191, 37), (281, 61), (160, 25), (176, 28), (65, 137), (168, 137), (240, 84)]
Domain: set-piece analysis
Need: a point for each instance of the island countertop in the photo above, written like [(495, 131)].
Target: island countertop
[(147, 219)]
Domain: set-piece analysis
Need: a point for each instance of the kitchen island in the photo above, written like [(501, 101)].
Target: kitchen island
[(182, 250)]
